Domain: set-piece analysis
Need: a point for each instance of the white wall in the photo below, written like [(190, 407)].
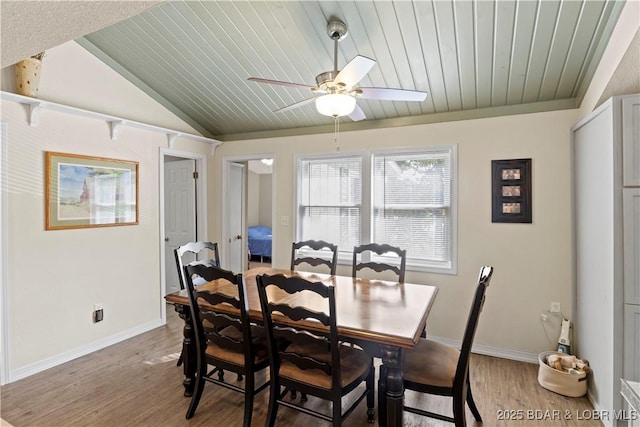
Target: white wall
[(259, 199), (53, 278), (533, 264), (266, 199), (253, 198)]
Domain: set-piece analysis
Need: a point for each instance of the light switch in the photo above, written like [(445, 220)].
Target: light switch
[(284, 221)]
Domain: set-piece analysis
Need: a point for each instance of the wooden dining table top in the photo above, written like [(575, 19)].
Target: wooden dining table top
[(377, 311)]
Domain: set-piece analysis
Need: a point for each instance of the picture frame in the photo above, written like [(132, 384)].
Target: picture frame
[(85, 191), (511, 191)]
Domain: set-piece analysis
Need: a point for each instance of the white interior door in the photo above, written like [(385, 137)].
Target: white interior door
[(236, 245), (179, 214)]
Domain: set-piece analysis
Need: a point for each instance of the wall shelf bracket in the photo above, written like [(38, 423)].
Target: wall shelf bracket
[(171, 137), (116, 125), (34, 112)]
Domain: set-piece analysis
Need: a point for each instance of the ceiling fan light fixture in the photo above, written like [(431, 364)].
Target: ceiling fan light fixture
[(335, 104)]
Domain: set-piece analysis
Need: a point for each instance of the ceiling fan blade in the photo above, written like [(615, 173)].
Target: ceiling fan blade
[(387, 94), (357, 114), (278, 82), (295, 105), (354, 71)]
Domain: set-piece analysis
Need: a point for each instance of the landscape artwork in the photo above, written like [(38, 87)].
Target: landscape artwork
[(85, 191)]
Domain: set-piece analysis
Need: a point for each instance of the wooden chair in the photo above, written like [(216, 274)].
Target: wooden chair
[(315, 363), (224, 341), (195, 250), (439, 369), (379, 249), (315, 245)]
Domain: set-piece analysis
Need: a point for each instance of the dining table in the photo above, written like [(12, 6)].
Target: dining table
[(384, 318)]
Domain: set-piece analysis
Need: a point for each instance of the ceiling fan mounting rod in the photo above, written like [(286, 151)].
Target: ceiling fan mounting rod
[(335, 55), (337, 30)]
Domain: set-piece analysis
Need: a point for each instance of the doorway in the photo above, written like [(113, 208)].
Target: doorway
[(259, 212), (183, 210), (253, 198)]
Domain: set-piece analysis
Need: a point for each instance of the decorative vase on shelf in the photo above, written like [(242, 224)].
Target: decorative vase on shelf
[(28, 76)]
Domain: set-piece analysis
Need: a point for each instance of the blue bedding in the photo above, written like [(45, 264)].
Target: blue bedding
[(260, 240)]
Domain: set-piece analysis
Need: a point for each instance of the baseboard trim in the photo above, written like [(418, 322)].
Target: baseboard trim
[(487, 350), (67, 356)]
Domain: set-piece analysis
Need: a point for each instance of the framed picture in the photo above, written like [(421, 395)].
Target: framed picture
[(84, 191), (511, 190)]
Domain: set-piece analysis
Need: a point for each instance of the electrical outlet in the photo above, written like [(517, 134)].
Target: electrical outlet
[(555, 307), (98, 313)]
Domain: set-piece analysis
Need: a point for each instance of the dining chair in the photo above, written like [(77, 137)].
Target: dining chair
[(316, 363), (224, 341), (192, 251), (439, 369), (379, 249), (314, 257)]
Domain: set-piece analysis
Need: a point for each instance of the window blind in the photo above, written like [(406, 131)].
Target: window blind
[(330, 200), (411, 204)]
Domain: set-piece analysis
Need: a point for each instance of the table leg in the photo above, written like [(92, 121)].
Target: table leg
[(188, 350), (391, 388)]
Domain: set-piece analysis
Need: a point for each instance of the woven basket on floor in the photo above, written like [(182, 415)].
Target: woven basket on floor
[(564, 383)]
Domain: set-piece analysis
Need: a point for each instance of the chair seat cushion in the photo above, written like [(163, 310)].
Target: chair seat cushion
[(431, 363), (354, 363), (237, 357)]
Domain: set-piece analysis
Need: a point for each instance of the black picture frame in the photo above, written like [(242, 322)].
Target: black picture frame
[(511, 191)]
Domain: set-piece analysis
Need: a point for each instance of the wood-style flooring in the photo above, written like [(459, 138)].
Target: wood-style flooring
[(137, 383)]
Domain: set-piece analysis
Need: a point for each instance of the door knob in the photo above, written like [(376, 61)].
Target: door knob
[(238, 237)]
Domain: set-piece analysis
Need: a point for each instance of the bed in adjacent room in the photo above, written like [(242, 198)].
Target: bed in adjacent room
[(260, 241)]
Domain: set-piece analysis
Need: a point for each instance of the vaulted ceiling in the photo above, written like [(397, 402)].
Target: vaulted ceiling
[(473, 58)]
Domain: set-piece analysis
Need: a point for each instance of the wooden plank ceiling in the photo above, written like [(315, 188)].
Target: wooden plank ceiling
[(474, 58)]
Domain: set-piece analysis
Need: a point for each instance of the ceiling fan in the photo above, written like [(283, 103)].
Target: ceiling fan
[(336, 91)]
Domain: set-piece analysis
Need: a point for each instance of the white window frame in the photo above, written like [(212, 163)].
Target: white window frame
[(345, 255), (413, 264)]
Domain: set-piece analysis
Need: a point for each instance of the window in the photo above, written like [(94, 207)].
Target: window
[(405, 199), (330, 200), (411, 206)]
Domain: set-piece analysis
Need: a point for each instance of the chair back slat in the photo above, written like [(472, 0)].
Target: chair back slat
[(303, 338), (219, 298), (225, 342), (314, 248), (300, 313), (379, 267), (304, 362)]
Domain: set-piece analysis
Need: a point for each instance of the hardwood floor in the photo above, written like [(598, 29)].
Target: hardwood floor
[(137, 383)]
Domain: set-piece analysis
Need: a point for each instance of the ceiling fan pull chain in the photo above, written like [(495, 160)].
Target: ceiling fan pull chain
[(336, 128)]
